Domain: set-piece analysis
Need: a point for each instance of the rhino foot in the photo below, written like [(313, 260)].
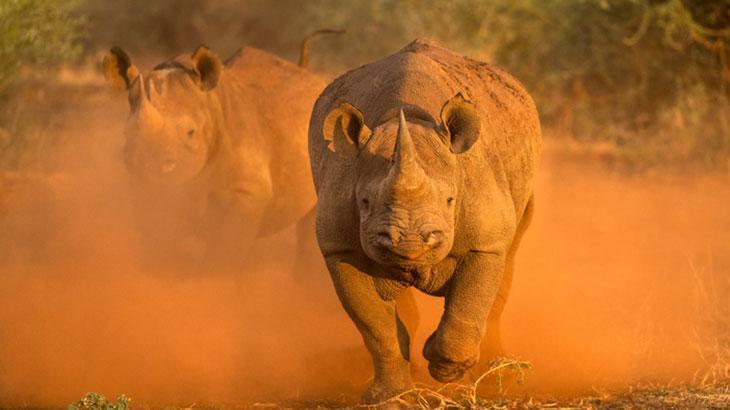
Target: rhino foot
[(447, 372), (442, 367), (379, 392)]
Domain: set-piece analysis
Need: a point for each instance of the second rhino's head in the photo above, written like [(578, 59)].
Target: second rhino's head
[(408, 176), (171, 126)]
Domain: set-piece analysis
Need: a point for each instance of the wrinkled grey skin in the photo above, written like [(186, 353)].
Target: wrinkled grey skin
[(424, 164), (231, 136)]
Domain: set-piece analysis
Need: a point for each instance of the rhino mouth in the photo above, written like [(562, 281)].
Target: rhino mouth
[(404, 260), (412, 275), (409, 255), (406, 249)]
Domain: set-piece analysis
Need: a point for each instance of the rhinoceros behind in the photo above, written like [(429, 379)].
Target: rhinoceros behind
[(423, 164), (231, 136)]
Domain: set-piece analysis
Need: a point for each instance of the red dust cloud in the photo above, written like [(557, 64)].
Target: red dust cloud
[(606, 291)]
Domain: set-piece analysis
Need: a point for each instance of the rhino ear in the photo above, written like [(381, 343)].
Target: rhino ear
[(118, 69), (208, 67), (345, 122), (460, 123)]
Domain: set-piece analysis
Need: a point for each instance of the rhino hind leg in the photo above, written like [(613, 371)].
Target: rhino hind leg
[(491, 347), (383, 332)]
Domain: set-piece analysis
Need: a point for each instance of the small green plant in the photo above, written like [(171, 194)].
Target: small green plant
[(96, 401)]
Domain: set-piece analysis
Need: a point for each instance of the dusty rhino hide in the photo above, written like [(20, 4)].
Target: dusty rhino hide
[(223, 144), (423, 164)]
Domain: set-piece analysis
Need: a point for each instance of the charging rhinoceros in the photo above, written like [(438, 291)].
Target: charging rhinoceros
[(231, 137), (424, 164)]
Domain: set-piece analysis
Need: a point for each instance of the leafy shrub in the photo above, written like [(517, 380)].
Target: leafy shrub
[(36, 32), (96, 401), (650, 76), (37, 35), (165, 28)]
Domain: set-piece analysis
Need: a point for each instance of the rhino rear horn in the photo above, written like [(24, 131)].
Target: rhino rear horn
[(345, 122), (460, 123), (207, 66), (118, 69)]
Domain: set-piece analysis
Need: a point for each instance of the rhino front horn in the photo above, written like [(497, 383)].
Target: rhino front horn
[(405, 171), (141, 93), (146, 112)]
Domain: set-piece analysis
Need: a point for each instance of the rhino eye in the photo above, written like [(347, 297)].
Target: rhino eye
[(191, 132), (365, 203), (450, 200)]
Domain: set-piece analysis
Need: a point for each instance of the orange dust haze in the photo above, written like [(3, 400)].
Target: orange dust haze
[(610, 286)]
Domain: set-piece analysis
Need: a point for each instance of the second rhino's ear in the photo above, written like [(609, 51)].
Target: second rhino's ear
[(118, 69), (345, 122), (460, 123), (208, 67)]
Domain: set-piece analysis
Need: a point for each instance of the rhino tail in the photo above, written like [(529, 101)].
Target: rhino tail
[(303, 52)]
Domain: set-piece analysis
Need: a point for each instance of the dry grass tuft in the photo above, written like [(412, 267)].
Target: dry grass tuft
[(461, 396), (712, 334)]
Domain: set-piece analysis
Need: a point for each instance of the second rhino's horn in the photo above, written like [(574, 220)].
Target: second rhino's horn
[(145, 110), (405, 171), (140, 90)]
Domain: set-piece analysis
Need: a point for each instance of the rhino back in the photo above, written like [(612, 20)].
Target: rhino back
[(269, 101), (497, 173)]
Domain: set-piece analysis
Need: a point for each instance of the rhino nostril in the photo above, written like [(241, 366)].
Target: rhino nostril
[(384, 240), (168, 166), (433, 239)]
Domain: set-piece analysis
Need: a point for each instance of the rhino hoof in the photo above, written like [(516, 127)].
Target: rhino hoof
[(380, 392), (441, 367), (446, 372)]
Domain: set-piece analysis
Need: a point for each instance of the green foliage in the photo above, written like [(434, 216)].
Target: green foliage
[(650, 76), (96, 401), (170, 27), (160, 26), (379, 27), (36, 32)]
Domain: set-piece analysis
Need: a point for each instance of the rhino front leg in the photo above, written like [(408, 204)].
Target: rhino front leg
[(309, 258), (385, 336), (454, 347), (234, 221)]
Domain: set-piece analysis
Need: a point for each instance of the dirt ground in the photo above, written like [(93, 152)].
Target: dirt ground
[(619, 298)]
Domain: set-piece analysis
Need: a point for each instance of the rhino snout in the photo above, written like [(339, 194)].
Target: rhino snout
[(409, 247), (384, 240), (433, 239)]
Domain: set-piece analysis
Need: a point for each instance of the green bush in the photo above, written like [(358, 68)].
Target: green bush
[(35, 36), (650, 76), (96, 401), (37, 32), (166, 28)]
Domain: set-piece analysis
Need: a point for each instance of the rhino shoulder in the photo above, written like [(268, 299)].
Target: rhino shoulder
[(472, 73)]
